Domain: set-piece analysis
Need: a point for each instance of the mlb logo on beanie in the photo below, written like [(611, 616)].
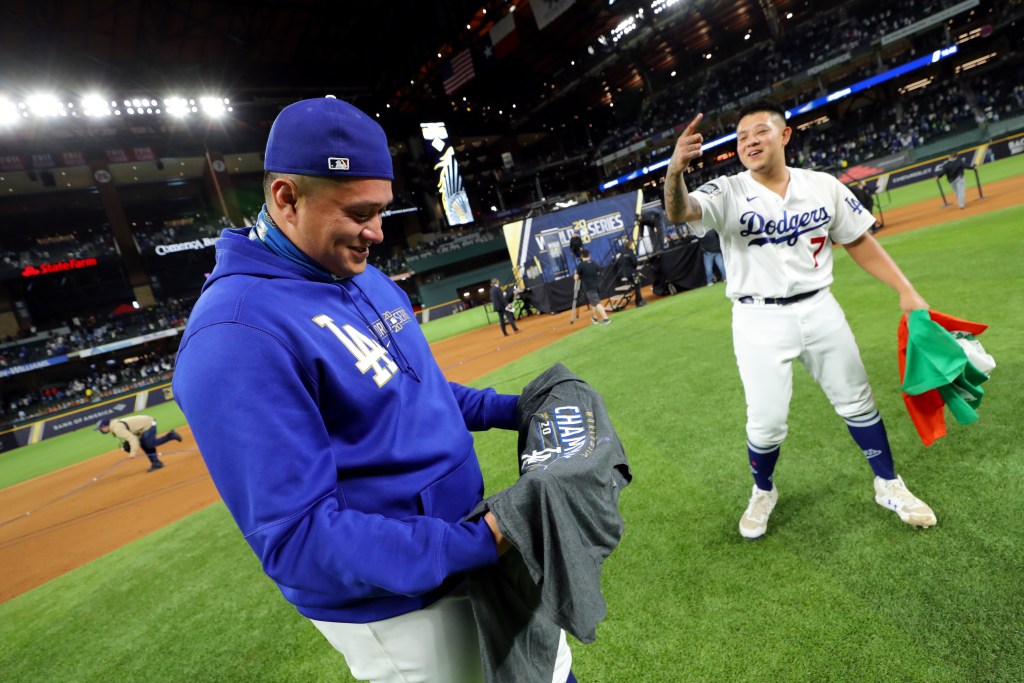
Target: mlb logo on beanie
[(327, 137)]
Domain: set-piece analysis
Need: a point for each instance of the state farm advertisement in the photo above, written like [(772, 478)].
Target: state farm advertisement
[(58, 267)]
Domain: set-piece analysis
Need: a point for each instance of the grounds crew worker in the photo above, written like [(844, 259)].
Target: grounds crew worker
[(135, 432)]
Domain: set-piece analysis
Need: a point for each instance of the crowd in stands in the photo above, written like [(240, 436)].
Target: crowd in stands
[(443, 243), (96, 243), (100, 382), (826, 35), (1000, 95), (823, 50), (394, 264), (848, 29), (880, 129), (92, 331), (97, 385), (178, 233)]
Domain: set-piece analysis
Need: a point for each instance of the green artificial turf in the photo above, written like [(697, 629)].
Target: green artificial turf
[(838, 590), (457, 323)]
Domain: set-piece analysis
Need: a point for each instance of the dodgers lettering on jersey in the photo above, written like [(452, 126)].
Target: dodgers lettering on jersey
[(780, 246), (786, 229)]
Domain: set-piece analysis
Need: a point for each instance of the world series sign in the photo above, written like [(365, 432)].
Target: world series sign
[(540, 247)]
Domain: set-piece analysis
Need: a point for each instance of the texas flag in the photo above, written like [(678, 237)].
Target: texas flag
[(503, 36)]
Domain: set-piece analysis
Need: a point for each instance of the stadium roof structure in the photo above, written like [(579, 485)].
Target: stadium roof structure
[(534, 62)]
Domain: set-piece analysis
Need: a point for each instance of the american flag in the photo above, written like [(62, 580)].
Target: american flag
[(458, 72)]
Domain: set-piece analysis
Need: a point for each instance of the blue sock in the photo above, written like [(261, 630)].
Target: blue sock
[(762, 464), (571, 678), (869, 433)]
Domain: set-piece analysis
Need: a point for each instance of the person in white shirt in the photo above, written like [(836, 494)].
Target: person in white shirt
[(777, 226)]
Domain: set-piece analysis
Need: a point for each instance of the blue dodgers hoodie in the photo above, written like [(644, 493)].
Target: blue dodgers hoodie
[(343, 454)]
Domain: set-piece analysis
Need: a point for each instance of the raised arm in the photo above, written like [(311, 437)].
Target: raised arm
[(679, 206), (870, 256)]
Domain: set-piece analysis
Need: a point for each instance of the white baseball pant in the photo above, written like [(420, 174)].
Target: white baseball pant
[(960, 188), (767, 338), (437, 644)]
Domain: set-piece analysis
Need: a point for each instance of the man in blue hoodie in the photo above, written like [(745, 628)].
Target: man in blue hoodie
[(343, 454)]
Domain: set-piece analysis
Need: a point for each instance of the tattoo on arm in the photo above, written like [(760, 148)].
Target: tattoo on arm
[(679, 205), (695, 210), (675, 197)]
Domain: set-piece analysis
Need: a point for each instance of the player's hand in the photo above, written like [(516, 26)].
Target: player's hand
[(688, 146), (912, 301), (499, 538)]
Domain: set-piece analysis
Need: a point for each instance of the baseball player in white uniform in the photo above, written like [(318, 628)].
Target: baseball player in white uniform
[(777, 225)]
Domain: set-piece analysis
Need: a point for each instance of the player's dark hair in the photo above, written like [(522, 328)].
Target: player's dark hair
[(268, 179), (305, 184), (759, 106), (585, 253)]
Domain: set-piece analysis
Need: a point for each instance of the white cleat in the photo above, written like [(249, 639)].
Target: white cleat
[(894, 495), (754, 522)]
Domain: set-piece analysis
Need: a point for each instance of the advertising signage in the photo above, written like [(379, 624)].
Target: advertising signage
[(58, 267)]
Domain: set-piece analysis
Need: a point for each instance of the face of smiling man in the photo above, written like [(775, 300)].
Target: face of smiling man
[(334, 222), (761, 139)]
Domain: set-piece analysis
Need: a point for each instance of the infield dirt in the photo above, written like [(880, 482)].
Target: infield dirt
[(57, 522)]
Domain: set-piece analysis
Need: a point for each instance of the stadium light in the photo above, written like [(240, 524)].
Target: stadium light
[(176, 106), (8, 112), (659, 6), (95, 105), (44, 105), (213, 107)]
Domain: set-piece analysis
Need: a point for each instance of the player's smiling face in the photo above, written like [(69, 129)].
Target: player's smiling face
[(761, 139), (337, 221)]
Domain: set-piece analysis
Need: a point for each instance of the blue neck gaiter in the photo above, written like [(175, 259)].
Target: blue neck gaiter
[(267, 233)]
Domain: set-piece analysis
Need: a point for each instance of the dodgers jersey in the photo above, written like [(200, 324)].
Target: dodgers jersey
[(780, 246)]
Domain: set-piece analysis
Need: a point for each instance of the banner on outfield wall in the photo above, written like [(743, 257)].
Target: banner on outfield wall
[(539, 247), (1007, 147), (909, 176), (85, 417), (15, 438)]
